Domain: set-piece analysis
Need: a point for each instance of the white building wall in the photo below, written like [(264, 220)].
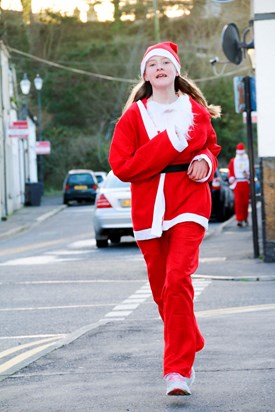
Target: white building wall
[(3, 139), (32, 152), (264, 35), (13, 186), (18, 163)]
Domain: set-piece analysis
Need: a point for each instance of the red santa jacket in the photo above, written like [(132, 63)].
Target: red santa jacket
[(138, 154)]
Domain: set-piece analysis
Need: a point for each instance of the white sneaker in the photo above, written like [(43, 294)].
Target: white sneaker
[(192, 378), (177, 385)]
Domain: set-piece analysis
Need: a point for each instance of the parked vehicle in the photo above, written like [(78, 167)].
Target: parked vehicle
[(112, 217), (100, 176), (222, 196), (79, 185)]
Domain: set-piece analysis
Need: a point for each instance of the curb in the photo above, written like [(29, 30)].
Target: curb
[(37, 221), (262, 278), (49, 214), (220, 228)]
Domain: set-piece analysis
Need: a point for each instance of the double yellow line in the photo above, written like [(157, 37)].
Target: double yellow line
[(9, 366)]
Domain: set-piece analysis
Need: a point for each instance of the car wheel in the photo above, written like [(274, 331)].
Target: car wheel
[(65, 201), (102, 243), (115, 239)]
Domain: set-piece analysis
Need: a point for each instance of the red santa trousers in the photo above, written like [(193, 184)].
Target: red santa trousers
[(241, 200), (170, 261)]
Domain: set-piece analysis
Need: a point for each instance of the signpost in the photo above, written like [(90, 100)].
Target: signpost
[(250, 104), (245, 102), (43, 147)]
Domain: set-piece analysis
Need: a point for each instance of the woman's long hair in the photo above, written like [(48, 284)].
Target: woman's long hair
[(182, 84)]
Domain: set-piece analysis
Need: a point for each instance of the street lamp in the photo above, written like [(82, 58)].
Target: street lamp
[(25, 86), (38, 84)]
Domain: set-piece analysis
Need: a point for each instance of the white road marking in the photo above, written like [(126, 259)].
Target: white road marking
[(46, 345), (83, 243), (60, 256), (18, 348), (47, 335), (66, 252), (124, 306), (234, 310), (118, 313), (80, 281), (36, 260), (213, 259), (23, 356), (133, 300), (143, 293), (55, 307)]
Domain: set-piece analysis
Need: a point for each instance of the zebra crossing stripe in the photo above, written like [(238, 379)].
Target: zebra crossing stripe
[(126, 307)]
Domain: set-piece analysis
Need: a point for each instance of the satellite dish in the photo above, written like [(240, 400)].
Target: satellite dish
[(231, 44)]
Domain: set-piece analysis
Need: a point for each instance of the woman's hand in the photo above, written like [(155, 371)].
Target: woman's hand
[(198, 170)]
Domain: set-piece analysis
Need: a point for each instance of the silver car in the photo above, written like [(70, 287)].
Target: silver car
[(112, 217)]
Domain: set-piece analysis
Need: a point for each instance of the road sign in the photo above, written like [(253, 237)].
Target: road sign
[(19, 129), (43, 147), (239, 94)]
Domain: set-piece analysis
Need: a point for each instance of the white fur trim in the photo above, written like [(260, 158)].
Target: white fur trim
[(148, 123), (147, 234), (179, 143), (206, 158), (159, 208), (162, 53), (186, 217)]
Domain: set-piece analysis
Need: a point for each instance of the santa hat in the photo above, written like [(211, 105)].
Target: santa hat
[(165, 49), (240, 148)]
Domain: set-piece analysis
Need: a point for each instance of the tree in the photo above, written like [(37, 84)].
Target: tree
[(117, 13), (27, 11)]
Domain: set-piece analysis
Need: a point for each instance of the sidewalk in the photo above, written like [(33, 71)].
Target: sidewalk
[(29, 216)]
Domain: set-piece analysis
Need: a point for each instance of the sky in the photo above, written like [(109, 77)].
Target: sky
[(105, 11)]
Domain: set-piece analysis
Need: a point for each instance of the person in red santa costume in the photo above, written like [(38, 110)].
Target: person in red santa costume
[(165, 145), (239, 182)]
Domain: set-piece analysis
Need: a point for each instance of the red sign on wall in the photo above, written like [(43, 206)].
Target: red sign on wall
[(19, 129)]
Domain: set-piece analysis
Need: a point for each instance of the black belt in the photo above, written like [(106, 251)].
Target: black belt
[(176, 168)]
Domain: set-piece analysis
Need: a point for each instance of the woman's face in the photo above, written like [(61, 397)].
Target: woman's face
[(160, 72)]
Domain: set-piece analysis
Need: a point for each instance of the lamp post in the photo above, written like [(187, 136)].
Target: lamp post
[(38, 84), (25, 86), (156, 21)]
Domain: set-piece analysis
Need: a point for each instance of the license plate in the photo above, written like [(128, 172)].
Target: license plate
[(125, 203), (80, 187)]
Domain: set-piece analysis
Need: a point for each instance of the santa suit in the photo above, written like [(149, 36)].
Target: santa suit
[(239, 182), (170, 212)]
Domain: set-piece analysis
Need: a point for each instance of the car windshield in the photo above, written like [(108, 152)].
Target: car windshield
[(113, 181), (80, 179)]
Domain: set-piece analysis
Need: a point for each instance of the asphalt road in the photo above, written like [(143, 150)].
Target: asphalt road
[(54, 280), (80, 332)]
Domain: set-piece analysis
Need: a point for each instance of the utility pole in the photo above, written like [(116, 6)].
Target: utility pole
[(156, 21)]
